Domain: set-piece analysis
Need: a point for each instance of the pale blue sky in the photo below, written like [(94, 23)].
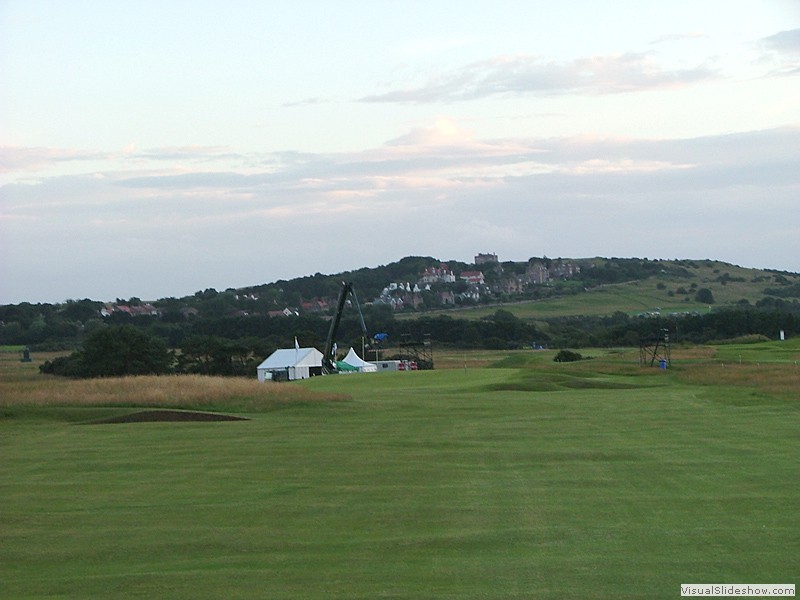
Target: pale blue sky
[(158, 148)]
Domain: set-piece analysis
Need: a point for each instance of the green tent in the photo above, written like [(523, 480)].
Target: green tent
[(345, 368)]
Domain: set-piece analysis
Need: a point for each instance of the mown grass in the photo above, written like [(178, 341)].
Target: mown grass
[(437, 484)]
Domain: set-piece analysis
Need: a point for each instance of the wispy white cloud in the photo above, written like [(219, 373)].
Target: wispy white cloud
[(195, 153), (678, 37), (306, 102), (444, 132), (782, 50), (787, 42), (14, 159), (526, 74), (446, 156)]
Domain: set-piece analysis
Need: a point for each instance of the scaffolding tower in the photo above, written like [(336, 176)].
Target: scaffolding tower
[(655, 349), (420, 352)]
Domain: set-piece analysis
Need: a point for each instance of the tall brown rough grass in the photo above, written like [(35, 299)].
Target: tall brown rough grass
[(173, 391), (781, 380)]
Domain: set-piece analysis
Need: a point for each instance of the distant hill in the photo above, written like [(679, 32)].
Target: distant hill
[(598, 286), (496, 304), (606, 286), (602, 286)]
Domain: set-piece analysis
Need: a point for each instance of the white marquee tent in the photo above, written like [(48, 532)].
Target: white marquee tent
[(354, 360), (290, 364)]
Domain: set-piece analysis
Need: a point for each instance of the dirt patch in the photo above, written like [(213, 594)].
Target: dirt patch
[(166, 416)]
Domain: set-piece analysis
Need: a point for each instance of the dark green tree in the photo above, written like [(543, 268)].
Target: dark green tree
[(113, 352), (214, 355), (704, 296), (81, 310), (125, 350)]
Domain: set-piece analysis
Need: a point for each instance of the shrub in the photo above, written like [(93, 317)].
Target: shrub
[(567, 356), (704, 296)]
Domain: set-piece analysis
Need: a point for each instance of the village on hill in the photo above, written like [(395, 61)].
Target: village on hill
[(470, 286), (436, 286)]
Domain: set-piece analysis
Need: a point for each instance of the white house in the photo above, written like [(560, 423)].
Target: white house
[(288, 364)]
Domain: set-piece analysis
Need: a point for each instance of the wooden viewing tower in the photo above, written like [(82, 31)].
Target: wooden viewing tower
[(654, 349)]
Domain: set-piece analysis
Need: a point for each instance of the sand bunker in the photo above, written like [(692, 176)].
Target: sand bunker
[(165, 416)]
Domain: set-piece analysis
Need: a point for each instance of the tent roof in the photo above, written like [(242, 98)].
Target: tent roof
[(292, 357), (354, 359)]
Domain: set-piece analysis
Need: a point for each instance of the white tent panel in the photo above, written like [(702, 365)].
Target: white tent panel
[(291, 364), (355, 360)]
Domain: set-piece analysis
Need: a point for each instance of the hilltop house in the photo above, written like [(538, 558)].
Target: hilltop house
[(561, 269), (472, 277), (286, 312), (135, 310), (487, 259), (538, 273), (398, 296), (514, 284), (447, 298), (440, 274), (317, 305)]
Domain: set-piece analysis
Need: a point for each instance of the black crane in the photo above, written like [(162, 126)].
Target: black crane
[(328, 359)]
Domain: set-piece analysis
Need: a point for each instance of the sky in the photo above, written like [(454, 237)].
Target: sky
[(154, 149)]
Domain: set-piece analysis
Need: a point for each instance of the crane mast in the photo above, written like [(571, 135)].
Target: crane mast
[(328, 360)]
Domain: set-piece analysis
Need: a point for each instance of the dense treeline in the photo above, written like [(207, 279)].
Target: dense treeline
[(623, 330), (620, 329), (262, 334), (209, 312), (229, 332), (229, 346)]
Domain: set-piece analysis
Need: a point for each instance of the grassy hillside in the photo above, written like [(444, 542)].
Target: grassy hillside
[(670, 292), (503, 476)]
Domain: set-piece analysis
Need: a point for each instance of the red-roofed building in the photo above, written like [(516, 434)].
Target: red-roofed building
[(472, 277)]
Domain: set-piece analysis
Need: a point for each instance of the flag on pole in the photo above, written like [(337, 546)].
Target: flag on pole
[(296, 350)]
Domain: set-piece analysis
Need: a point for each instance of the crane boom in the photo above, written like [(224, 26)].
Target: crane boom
[(328, 360)]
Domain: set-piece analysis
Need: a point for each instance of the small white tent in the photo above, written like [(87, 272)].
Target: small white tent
[(354, 360), (290, 364)]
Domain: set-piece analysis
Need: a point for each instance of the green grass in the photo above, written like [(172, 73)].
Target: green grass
[(11, 348), (614, 481), (787, 351), (630, 298), (659, 293)]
